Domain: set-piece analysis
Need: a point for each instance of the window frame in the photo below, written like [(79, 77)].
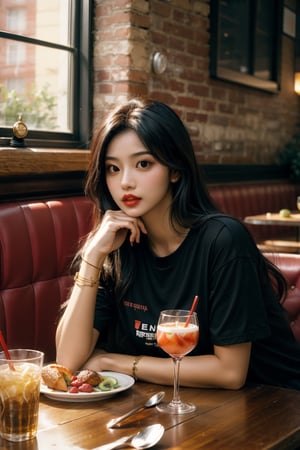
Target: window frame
[(237, 77), (82, 85)]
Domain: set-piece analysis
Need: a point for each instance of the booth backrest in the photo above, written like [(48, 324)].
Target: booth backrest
[(289, 264), (37, 243), (258, 197), (38, 240)]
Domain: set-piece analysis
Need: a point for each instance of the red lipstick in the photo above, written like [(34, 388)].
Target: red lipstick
[(130, 200)]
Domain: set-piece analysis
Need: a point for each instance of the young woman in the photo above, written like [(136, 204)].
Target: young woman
[(159, 241)]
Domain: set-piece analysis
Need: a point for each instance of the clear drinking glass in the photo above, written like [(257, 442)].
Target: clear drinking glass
[(177, 338), (298, 203), (20, 394)]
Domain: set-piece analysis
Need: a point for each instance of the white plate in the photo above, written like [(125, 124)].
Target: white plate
[(125, 382)]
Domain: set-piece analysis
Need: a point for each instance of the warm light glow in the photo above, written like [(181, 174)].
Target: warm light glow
[(297, 83)]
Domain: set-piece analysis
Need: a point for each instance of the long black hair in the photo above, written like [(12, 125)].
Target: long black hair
[(164, 135)]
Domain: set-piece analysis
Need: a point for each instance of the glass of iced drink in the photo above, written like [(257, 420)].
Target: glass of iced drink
[(19, 394)]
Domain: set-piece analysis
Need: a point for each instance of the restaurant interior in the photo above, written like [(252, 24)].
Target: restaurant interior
[(231, 70)]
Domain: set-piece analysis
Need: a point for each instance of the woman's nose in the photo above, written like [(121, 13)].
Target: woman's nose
[(127, 180)]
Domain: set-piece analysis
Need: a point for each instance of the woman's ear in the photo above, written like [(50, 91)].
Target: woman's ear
[(175, 175)]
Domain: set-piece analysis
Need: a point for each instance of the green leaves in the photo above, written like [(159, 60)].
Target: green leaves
[(290, 156), (37, 107)]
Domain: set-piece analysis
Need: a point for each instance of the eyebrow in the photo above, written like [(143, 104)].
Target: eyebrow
[(134, 155)]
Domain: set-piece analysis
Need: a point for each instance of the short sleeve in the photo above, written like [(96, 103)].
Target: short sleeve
[(104, 310), (237, 308)]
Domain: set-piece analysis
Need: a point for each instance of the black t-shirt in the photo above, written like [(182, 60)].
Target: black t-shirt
[(219, 262)]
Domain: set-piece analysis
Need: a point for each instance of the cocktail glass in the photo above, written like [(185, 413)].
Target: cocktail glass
[(177, 336), (19, 394)]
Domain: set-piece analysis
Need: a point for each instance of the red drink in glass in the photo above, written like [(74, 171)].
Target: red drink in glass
[(177, 340)]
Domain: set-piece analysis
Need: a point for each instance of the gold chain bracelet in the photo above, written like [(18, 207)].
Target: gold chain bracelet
[(82, 281), (134, 366), (90, 264)]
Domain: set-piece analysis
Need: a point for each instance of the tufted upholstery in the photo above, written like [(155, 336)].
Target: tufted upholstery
[(250, 198), (37, 243), (289, 264)]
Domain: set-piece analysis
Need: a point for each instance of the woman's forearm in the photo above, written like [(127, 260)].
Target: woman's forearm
[(75, 336), (210, 371)]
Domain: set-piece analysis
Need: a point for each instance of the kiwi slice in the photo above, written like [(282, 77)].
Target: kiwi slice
[(108, 384)]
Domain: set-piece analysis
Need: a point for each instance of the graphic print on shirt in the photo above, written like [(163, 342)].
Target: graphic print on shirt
[(143, 330)]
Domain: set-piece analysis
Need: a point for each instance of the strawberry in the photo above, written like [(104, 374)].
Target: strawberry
[(76, 383), (73, 390), (85, 387)]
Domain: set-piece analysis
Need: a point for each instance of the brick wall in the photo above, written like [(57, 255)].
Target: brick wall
[(228, 123)]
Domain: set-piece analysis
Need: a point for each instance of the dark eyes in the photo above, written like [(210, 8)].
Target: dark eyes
[(112, 168), (144, 164)]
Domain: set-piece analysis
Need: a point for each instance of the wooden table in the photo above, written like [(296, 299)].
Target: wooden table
[(256, 417), (274, 219), (280, 245)]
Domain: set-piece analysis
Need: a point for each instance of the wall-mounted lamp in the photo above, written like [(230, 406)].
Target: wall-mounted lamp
[(297, 83), (159, 63), (297, 51)]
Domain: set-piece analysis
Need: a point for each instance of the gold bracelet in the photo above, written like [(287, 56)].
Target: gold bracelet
[(134, 367), (90, 264), (82, 281)]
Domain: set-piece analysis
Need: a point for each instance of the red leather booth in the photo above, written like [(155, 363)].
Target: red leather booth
[(289, 264), (38, 240), (37, 243), (258, 197)]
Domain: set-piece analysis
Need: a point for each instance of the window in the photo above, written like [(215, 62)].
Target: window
[(16, 83), (245, 46), (45, 70), (16, 19), (16, 56)]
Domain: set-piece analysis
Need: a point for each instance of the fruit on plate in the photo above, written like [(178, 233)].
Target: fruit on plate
[(108, 384), (59, 378), (284, 212)]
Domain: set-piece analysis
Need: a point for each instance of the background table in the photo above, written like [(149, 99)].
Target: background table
[(280, 245), (274, 219), (256, 417)]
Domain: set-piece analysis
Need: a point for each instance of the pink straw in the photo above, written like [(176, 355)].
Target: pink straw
[(194, 306), (6, 352)]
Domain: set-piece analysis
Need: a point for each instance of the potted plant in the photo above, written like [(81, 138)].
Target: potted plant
[(290, 157)]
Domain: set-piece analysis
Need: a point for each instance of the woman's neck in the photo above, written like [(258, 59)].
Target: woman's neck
[(164, 239)]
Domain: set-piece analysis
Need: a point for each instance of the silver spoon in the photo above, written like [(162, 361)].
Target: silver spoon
[(145, 438), (152, 401)]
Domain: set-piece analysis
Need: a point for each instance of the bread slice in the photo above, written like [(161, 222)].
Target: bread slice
[(56, 376), (89, 376)]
